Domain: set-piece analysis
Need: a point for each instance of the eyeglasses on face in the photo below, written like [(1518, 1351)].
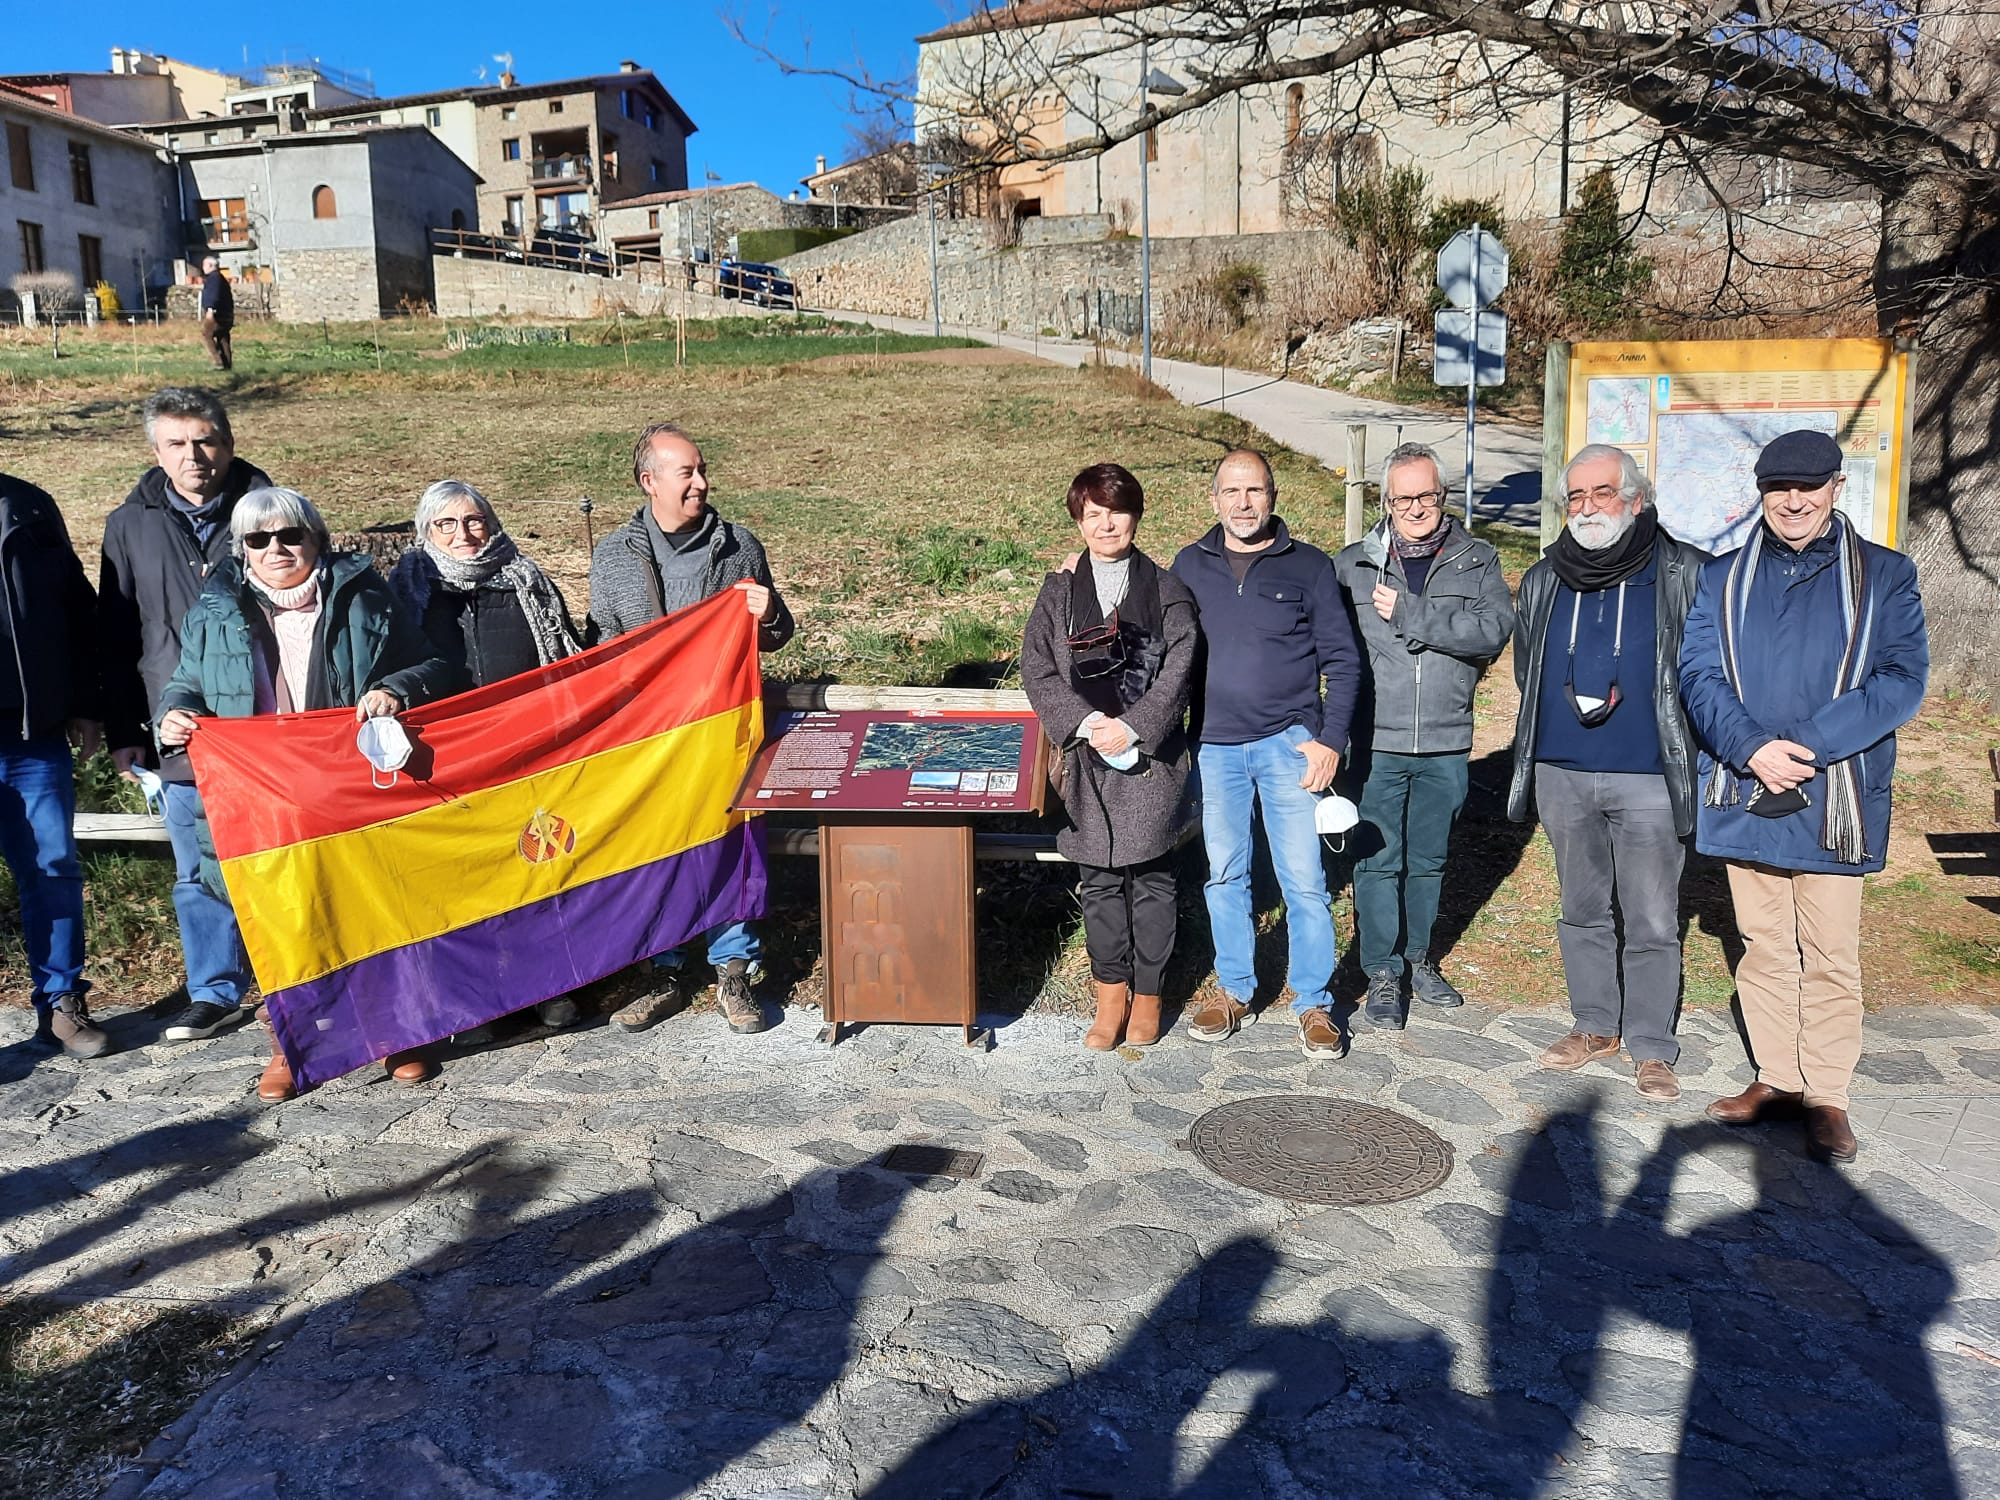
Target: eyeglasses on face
[(1422, 500), (290, 536), (448, 525), (1601, 497)]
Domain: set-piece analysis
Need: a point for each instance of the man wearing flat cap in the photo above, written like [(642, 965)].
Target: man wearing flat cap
[(1803, 656)]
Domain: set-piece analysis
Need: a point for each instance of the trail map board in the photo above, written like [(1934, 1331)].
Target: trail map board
[(1695, 413), (896, 792), (874, 760)]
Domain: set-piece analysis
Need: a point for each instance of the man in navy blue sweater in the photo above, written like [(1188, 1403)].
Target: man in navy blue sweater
[(1275, 626)]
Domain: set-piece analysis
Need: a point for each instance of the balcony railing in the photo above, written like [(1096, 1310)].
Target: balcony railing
[(231, 232), (559, 169)]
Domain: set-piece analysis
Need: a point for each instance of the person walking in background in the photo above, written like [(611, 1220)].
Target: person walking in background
[(160, 547), (287, 626), (1108, 663), (1804, 655), (49, 697), (1603, 753), (218, 314), (674, 552), (1275, 628), (489, 613), (1432, 608)]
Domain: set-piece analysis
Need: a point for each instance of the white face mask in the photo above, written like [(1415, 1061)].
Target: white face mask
[(386, 747)]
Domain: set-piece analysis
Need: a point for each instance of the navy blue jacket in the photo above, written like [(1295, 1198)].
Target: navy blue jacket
[(48, 639), (1269, 642), (1789, 650)]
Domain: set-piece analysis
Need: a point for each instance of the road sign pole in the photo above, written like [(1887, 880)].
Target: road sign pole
[(1471, 390)]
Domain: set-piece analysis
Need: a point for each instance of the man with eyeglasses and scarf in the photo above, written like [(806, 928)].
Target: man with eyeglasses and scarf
[(1432, 608), (1603, 752)]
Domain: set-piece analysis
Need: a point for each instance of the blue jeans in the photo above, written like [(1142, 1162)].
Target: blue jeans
[(1268, 771), (730, 940), (218, 970), (38, 840)]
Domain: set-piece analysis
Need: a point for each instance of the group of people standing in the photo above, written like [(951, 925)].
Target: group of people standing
[(1749, 702)]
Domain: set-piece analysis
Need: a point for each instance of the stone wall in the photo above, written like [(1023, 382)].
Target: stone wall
[(1078, 280), (471, 288), (337, 285)]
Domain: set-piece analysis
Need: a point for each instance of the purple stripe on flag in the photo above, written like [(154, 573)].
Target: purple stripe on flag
[(423, 992)]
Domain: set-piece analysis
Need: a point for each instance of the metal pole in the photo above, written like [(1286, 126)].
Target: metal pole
[(1471, 377), (1145, 234), (937, 315)]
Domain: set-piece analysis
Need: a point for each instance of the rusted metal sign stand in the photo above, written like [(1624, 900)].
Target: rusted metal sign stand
[(896, 778)]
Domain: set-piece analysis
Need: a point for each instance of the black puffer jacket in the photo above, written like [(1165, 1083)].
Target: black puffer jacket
[(1680, 571), (153, 572), (48, 649)]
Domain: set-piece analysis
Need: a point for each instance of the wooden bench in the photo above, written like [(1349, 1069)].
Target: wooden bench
[(1011, 848)]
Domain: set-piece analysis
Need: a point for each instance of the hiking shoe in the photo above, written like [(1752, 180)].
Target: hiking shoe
[(653, 1007), (69, 1025), (1578, 1048), (739, 1007), (1217, 1020), (1384, 1005), (1431, 987), (1318, 1036), (203, 1019), (557, 1013), (1655, 1080)]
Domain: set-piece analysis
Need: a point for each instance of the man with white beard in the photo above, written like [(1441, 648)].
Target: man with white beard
[(1602, 751)]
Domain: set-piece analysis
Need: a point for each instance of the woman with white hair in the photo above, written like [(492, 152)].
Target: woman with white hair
[(286, 625), (489, 612)]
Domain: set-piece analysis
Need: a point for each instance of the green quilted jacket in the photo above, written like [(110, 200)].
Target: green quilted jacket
[(365, 640)]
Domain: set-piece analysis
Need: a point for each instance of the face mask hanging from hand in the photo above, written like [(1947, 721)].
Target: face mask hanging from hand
[(387, 748)]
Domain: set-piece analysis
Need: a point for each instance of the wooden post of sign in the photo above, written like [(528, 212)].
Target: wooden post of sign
[(1555, 440), (1357, 480)]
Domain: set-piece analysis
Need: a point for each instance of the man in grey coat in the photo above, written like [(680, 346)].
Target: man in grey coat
[(674, 552), (1432, 608)]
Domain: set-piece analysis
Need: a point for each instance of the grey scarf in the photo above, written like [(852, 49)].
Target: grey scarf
[(499, 564)]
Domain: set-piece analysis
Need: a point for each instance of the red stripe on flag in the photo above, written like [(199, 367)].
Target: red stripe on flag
[(276, 780)]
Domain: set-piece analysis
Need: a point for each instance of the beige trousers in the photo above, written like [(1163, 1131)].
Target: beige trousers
[(1800, 977)]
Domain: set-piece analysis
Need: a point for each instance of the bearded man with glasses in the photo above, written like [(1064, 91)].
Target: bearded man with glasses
[(1603, 751), (1432, 608)]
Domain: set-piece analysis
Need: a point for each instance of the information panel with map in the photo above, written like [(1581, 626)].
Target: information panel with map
[(888, 760), (1694, 415)]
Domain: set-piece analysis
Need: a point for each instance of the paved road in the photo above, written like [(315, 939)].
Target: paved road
[(1507, 458), (594, 1265)]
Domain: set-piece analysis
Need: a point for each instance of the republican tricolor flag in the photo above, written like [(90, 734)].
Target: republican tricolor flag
[(547, 831)]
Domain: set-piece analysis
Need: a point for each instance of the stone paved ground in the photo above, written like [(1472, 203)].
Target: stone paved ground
[(599, 1265)]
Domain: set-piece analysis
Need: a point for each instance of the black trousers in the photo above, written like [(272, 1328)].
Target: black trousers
[(1129, 916)]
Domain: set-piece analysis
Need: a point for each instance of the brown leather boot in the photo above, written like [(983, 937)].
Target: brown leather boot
[(1143, 1029), (409, 1067), (1828, 1135), (1757, 1103), (276, 1086), (1114, 1001)]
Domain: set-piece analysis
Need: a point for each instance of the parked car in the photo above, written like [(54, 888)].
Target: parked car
[(568, 250), (752, 281)]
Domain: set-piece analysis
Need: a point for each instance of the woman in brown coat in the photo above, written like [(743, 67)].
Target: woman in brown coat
[(1108, 660)]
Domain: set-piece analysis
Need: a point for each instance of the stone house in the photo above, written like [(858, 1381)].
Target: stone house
[(549, 155), (339, 222), (140, 86), (685, 224), (78, 197)]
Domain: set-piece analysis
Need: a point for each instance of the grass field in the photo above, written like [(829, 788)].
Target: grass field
[(910, 495)]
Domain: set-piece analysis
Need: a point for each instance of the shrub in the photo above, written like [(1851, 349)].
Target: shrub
[(1598, 274), (765, 245), (1238, 287), (108, 304), (1382, 217), (53, 291)]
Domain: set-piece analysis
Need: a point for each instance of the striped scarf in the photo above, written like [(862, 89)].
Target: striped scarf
[(1843, 833)]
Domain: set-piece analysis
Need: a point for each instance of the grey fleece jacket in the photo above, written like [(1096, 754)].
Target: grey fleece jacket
[(1425, 660), (627, 591)]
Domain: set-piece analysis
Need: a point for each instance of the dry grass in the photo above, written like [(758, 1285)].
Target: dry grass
[(84, 1386)]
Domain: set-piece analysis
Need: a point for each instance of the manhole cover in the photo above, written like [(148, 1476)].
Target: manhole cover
[(1316, 1150), (932, 1161)]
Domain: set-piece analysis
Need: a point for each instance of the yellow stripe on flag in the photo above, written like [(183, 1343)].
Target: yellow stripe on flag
[(326, 903)]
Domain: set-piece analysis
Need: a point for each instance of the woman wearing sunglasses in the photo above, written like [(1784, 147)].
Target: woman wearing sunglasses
[(1108, 660), (491, 614), (286, 625)]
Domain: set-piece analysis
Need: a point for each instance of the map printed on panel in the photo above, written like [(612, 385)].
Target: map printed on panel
[(937, 747), (926, 760), (1694, 415)]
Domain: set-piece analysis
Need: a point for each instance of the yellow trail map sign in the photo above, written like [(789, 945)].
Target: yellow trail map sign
[(1695, 413)]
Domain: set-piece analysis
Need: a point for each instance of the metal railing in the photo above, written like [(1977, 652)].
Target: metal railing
[(559, 169), (228, 232)]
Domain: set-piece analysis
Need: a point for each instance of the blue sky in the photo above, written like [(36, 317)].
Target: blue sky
[(755, 123)]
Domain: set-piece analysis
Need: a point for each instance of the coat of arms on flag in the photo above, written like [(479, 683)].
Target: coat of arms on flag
[(548, 830)]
